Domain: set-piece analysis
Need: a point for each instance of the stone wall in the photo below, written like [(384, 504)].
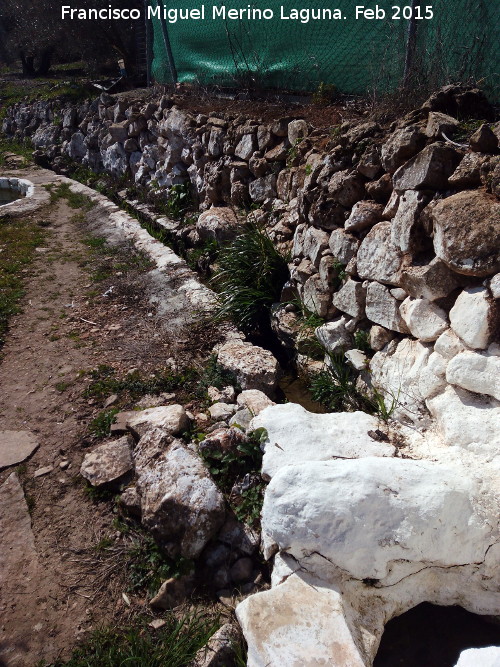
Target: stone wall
[(393, 231)]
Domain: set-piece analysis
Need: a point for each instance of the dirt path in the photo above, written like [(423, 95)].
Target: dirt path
[(87, 304)]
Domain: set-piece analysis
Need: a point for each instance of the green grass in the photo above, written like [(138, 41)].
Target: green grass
[(75, 200), (43, 89), (250, 276), (335, 388), (173, 645), (18, 240), (101, 424), (10, 146)]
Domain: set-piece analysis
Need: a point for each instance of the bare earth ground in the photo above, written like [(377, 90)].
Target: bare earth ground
[(54, 585)]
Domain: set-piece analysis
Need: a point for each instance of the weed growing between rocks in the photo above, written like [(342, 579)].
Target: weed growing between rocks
[(174, 644), (75, 200), (236, 470), (249, 279)]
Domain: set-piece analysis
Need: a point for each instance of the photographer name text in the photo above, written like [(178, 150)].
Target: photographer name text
[(251, 13)]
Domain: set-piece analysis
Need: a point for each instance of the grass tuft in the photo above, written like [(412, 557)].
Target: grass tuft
[(250, 276)]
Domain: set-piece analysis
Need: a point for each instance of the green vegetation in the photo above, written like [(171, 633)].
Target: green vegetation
[(293, 153), (335, 388), (249, 279), (173, 645), (214, 375), (231, 466), (101, 424), (24, 149), (325, 93), (75, 200), (362, 340), (50, 89), (179, 199), (18, 240)]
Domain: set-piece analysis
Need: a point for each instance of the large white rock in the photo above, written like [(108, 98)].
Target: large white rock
[(466, 420), (432, 378), (396, 372), (378, 258), (298, 624), (367, 515), (181, 506), (315, 241), (488, 656), (423, 318), (448, 344), (382, 308), (296, 435), (479, 373), (254, 400), (217, 223), (343, 245), (254, 367), (470, 317)]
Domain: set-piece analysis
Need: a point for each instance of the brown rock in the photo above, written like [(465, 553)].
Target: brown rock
[(16, 447), (484, 140), (467, 233)]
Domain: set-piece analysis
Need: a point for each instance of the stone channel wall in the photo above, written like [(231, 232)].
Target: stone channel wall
[(394, 236)]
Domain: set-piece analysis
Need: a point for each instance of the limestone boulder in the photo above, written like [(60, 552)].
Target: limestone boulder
[(468, 421), (471, 317), (364, 214), (109, 463), (484, 140), (405, 224), (429, 169), (317, 297), (245, 147), (437, 123), (297, 129), (343, 245), (468, 172), (171, 419), (351, 298), (382, 308), (429, 281), (314, 243), (495, 286), (467, 232), (488, 656), (334, 336), (378, 258), (181, 506), (402, 145), (254, 400), (295, 435), (423, 318), (254, 367), (379, 337), (368, 516), (475, 372), (346, 188), (298, 623), (115, 160), (217, 223), (396, 371)]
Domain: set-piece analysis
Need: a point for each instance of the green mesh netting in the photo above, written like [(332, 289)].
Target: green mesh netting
[(356, 56)]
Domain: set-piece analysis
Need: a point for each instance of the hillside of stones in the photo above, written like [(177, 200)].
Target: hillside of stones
[(393, 239)]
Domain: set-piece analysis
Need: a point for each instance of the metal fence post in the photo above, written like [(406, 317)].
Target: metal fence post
[(166, 41), (411, 44)]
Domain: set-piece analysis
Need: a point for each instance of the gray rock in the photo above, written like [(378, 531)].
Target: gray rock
[(382, 308), (241, 570), (316, 298), (437, 123), (219, 652), (484, 140), (467, 232), (379, 337), (314, 243), (430, 281), (364, 214), (333, 336), (297, 129), (429, 169), (109, 463), (346, 188), (378, 258), (402, 145), (217, 223), (171, 419), (173, 592), (181, 506), (343, 245), (16, 447), (351, 299), (468, 172), (254, 367)]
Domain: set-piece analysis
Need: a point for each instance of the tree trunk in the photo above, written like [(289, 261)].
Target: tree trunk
[(45, 62), (28, 63)]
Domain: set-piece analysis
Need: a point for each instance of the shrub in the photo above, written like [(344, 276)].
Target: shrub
[(251, 273)]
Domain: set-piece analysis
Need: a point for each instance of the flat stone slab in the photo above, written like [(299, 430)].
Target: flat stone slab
[(16, 447)]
